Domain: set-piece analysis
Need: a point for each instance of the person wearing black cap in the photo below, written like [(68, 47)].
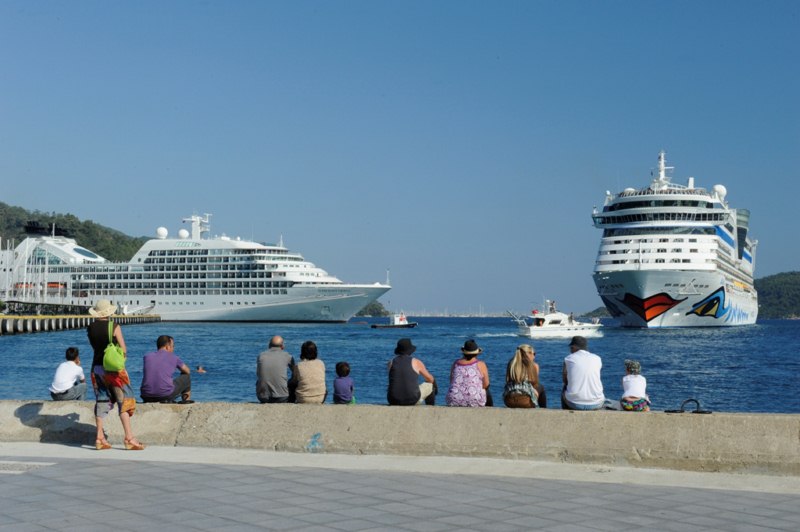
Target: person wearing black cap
[(404, 372), (583, 389), (469, 378)]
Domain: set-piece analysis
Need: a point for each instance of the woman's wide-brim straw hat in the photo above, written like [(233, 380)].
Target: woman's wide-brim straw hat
[(103, 309)]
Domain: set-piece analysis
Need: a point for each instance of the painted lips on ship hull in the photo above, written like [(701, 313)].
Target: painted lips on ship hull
[(654, 306), (651, 307), (633, 311)]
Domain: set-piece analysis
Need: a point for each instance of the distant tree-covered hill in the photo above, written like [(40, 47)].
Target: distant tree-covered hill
[(373, 309), (779, 296), (104, 241), (599, 312)]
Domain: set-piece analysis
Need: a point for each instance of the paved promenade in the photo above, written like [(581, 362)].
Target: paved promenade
[(62, 487)]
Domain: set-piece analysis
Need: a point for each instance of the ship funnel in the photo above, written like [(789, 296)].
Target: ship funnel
[(690, 186)]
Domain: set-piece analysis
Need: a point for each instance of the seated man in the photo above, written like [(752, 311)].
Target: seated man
[(583, 389), (273, 384), (404, 371), (69, 382), (157, 382)]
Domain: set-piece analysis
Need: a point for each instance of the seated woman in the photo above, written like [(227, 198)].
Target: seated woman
[(523, 389), (634, 388), (469, 378), (310, 375)]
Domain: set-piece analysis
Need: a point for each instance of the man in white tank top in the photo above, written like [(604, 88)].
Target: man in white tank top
[(583, 389)]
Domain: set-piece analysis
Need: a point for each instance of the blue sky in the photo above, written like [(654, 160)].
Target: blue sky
[(462, 145)]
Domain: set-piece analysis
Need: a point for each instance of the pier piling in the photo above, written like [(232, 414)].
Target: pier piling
[(32, 324)]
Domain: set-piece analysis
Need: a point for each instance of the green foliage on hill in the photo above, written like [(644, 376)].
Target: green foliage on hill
[(599, 312), (104, 241), (373, 309), (779, 296)]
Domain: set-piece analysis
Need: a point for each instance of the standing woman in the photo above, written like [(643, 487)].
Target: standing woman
[(310, 373), (110, 387), (523, 389)]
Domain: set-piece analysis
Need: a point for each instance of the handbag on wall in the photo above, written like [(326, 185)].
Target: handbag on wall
[(113, 355)]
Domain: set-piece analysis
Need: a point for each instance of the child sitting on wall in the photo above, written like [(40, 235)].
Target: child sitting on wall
[(634, 388), (343, 387)]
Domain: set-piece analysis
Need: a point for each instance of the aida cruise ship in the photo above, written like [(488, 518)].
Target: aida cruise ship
[(188, 278), (675, 256)]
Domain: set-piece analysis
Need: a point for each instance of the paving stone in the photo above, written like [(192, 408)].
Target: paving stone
[(227, 497)]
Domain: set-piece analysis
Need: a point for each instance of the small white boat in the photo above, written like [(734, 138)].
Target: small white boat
[(551, 323), (397, 321)]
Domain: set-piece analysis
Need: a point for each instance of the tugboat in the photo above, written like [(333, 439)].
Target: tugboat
[(397, 321)]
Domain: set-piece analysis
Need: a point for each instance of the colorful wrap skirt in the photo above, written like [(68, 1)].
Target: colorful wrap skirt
[(112, 387), (637, 405)]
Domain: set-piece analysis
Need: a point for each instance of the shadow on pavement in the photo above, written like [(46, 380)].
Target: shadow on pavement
[(55, 428)]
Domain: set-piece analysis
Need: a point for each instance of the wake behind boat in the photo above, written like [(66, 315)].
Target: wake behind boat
[(550, 323), (188, 278), (396, 321)]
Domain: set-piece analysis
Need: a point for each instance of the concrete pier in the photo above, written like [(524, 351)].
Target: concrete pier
[(741, 443), (32, 324), (222, 466)]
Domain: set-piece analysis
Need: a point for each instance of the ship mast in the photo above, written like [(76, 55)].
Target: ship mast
[(200, 225), (662, 181), (662, 167)]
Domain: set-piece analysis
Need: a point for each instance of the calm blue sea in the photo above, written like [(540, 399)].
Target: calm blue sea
[(744, 369)]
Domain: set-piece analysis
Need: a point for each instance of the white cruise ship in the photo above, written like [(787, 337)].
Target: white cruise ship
[(675, 256), (189, 278)]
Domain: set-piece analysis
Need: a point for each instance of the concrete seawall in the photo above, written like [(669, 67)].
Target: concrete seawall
[(751, 443)]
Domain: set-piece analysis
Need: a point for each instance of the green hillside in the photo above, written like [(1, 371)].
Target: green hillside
[(375, 308), (104, 241), (779, 296)]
